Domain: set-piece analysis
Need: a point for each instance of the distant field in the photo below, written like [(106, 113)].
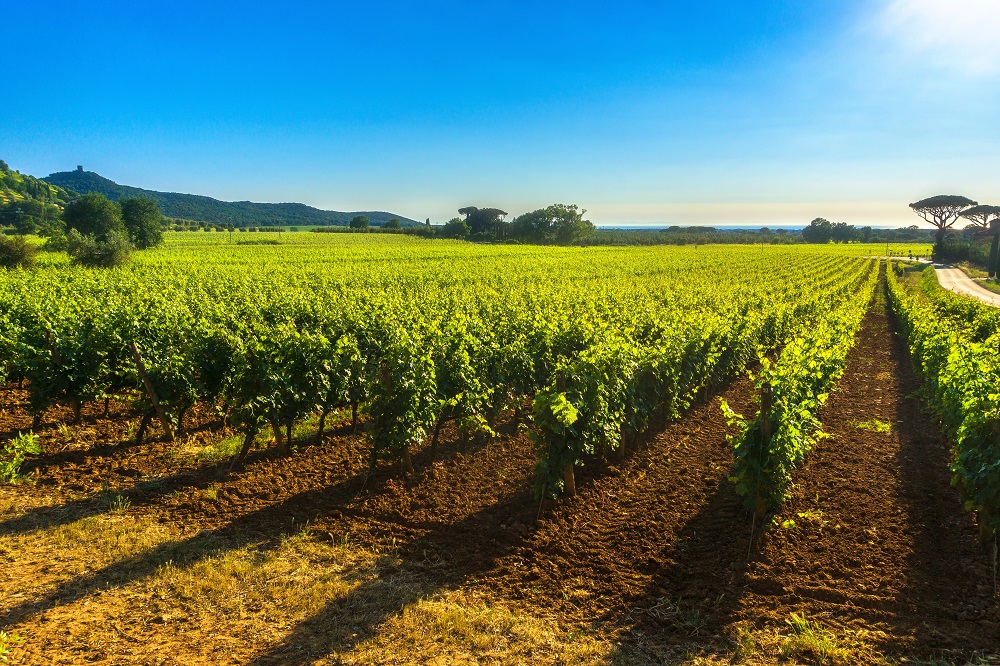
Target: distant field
[(377, 449)]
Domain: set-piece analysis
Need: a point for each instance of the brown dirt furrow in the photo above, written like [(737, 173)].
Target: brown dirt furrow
[(659, 540), (880, 540)]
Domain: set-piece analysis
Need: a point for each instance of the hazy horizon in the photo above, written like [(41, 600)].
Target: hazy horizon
[(759, 114)]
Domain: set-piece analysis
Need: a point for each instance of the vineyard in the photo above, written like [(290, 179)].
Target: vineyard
[(333, 448)]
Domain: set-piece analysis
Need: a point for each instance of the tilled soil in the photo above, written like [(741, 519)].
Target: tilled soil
[(652, 554), (880, 540)]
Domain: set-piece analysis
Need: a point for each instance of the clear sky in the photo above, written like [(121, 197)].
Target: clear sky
[(708, 112)]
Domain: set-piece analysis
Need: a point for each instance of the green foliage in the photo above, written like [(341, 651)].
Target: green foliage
[(114, 249), (16, 252), (455, 228), (963, 379), (14, 453), (392, 224), (143, 221), (874, 425), (968, 315), (819, 230), (94, 215), (359, 222), (6, 641), (485, 222), (403, 406), (809, 366), (426, 333), (558, 223), (29, 205)]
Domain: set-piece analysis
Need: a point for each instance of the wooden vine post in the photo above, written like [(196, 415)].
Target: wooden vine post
[(151, 390), (569, 476)]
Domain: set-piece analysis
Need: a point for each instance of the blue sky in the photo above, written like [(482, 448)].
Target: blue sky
[(746, 112)]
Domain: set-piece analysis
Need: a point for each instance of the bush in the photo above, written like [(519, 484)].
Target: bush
[(88, 251), (13, 455), (16, 252), (455, 228)]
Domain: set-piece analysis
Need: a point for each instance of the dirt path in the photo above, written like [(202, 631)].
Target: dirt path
[(880, 541), (955, 279)]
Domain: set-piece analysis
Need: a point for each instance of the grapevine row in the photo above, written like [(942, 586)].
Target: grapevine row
[(768, 448), (963, 378), (411, 340)]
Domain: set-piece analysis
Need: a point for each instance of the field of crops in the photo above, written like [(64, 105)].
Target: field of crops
[(332, 448)]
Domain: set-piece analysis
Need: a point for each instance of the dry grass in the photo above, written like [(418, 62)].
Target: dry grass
[(453, 628), (225, 603)]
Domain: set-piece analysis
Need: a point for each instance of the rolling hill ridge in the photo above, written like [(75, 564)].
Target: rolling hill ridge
[(206, 209)]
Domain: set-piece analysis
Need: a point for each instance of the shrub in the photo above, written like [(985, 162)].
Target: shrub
[(88, 251), (14, 453), (16, 252), (55, 240)]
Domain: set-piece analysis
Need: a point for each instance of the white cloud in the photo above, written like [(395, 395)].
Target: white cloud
[(960, 35)]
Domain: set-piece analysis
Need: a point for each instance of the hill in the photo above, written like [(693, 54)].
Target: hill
[(28, 203), (16, 187), (206, 209)]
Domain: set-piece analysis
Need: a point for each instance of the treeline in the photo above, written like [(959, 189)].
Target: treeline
[(558, 224), (821, 230)]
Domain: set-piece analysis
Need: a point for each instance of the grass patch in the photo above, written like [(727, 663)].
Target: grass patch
[(874, 425), (6, 641), (812, 640), (972, 271), (453, 628), (992, 284)]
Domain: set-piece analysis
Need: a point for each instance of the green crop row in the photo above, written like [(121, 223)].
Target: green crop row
[(408, 333), (963, 380), (768, 448)]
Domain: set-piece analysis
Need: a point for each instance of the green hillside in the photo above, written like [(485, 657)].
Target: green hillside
[(18, 187), (206, 209), (26, 201)]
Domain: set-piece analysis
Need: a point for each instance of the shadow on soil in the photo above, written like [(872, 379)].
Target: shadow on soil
[(947, 605)]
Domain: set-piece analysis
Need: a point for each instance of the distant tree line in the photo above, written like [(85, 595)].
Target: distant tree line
[(558, 224)]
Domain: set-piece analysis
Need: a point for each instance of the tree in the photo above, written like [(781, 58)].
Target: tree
[(986, 219), (819, 230), (143, 221), (841, 232), (392, 224), (558, 223), (455, 228), (941, 211), (94, 215), (359, 222), (485, 221), (981, 215)]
